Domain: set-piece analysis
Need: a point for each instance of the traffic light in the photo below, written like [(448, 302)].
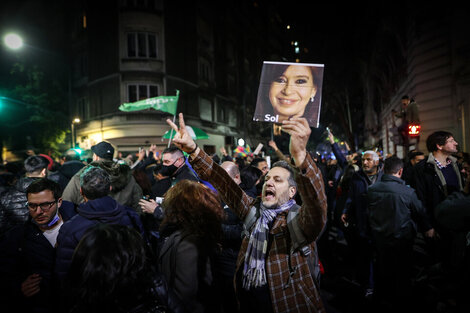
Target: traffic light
[(414, 130)]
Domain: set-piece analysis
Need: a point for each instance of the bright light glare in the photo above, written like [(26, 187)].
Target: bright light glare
[(13, 41), (76, 120)]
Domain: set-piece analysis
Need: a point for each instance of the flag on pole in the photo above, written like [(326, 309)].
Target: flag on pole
[(166, 104)]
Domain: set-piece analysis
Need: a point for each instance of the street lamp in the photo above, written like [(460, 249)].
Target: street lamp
[(75, 121), (13, 41)]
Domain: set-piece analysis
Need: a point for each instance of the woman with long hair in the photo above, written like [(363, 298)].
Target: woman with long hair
[(192, 227)]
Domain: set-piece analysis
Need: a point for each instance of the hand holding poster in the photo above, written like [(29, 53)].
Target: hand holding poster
[(289, 90)]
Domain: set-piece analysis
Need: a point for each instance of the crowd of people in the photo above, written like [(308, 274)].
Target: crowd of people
[(179, 230)]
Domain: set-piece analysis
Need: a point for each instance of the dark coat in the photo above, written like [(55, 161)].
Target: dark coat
[(339, 156), (429, 187), (25, 251), (453, 215), (103, 210), (184, 261), (65, 173), (125, 188), (13, 205), (184, 172), (394, 209), (356, 202)]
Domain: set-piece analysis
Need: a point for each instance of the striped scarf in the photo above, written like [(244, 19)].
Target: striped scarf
[(254, 272)]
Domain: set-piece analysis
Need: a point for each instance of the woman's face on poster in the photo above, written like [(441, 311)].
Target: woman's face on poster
[(292, 91)]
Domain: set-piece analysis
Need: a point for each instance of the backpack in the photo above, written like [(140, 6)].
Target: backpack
[(298, 240)]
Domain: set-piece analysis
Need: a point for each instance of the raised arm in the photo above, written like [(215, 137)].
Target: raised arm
[(312, 214), (209, 171)]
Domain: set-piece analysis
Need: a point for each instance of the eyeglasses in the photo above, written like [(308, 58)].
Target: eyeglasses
[(45, 206)]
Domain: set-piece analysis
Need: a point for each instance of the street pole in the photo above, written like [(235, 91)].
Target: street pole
[(72, 140)]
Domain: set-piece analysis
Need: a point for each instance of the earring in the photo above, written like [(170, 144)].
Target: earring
[(312, 98)]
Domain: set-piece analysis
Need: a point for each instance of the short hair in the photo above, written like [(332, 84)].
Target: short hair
[(285, 165), (414, 154), (256, 161), (216, 158), (375, 156), (437, 138), (392, 165), (42, 184), (173, 150), (405, 97), (35, 163), (95, 182), (249, 176)]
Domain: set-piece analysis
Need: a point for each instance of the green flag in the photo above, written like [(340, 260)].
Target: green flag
[(163, 103)]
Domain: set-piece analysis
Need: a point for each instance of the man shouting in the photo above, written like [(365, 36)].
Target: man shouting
[(273, 274)]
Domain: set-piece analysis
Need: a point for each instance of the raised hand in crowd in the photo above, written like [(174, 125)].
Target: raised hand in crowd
[(223, 151), (153, 149), (273, 145), (142, 154), (182, 139), (331, 138), (299, 131)]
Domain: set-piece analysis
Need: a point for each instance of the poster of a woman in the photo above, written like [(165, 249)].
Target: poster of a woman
[(289, 90)]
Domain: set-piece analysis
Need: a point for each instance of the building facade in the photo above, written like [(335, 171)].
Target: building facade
[(438, 69), (128, 50)]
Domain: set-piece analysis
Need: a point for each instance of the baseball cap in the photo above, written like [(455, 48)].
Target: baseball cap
[(104, 150)]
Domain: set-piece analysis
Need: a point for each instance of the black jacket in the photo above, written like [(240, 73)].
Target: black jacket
[(13, 205), (65, 173), (23, 252), (394, 209), (356, 202), (103, 210), (429, 187)]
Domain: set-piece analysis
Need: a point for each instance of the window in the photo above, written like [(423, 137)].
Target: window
[(136, 92), (141, 45), (205, 109), (232, 120), (204, 70)]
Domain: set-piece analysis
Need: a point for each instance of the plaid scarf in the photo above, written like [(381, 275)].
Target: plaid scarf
[(254, 272)]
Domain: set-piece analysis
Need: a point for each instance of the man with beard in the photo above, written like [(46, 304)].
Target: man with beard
[(356, 218), (435, 178), (272, 275), (27, 253)]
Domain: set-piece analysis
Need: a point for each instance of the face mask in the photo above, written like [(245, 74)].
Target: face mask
[(168, 170), (52, 222)]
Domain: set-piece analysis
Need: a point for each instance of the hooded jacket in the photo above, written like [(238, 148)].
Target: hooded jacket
[(103, 210), (125, 189)]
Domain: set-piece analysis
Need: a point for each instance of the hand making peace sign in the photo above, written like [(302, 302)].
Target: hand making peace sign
[(182, 139)]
